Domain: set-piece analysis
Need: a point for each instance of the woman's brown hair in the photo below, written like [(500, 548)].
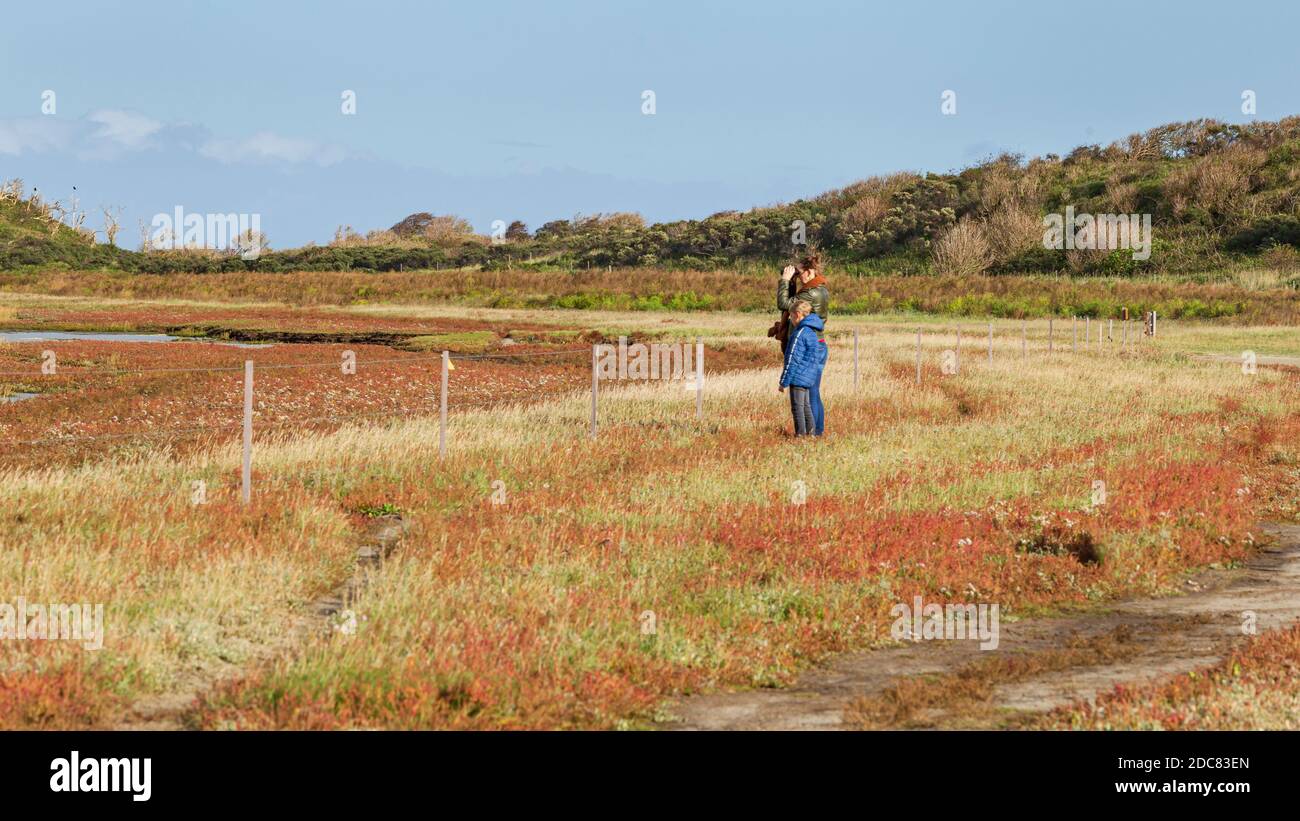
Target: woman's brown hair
[(812, 261)]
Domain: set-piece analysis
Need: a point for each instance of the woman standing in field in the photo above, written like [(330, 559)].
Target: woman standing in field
[(803, 283), (804, 359)]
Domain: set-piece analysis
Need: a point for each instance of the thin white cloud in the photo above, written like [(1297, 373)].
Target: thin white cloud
[(103, 134), (111, 134), (34, 134), (124, 128), (265, 146)]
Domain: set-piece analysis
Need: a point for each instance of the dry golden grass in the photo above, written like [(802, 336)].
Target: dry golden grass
[(526, 615), (655, 292)]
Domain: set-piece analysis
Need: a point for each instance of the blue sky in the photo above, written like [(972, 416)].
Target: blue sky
[(533, 111)]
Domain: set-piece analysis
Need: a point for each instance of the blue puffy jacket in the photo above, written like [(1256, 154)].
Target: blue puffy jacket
[(806, 355)]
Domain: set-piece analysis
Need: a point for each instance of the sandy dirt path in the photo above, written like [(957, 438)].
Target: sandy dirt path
[(1156, 638), (168, 711)]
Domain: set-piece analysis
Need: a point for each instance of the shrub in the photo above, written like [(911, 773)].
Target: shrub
[(1012, 230), (1275, 229), (963, 250)]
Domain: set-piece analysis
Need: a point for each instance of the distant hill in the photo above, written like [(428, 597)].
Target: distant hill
[(31, 234), (1218, 195)]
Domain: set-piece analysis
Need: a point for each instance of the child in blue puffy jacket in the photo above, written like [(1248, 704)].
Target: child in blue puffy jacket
[(805, 357)]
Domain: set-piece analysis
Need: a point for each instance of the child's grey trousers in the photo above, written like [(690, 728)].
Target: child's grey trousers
[(801, 408)]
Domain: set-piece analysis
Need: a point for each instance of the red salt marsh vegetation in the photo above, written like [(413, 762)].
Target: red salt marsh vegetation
[(527, 610), (116, 398)]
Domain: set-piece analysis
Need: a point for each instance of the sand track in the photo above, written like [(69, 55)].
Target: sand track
[(168, 711), (1159, 637)]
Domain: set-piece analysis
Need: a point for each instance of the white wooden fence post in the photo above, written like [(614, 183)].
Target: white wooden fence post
[(918, 356), (990, 343), (699, 379), (442, 406), (855, 359), (246, 479), (595, 386), (958, 351)]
